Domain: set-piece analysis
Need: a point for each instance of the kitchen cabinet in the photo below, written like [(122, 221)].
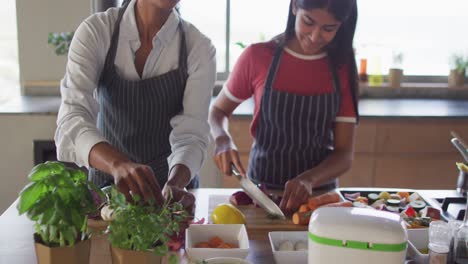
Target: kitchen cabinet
[(390, 152)]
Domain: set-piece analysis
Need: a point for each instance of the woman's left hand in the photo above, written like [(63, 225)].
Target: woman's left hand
[(177, 194), (296, 192)]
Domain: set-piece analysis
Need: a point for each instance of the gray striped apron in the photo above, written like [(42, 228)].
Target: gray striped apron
[(134, 115), (294, 133)]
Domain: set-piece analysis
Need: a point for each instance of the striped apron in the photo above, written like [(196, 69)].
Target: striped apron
[(295, 132), (134, 115)]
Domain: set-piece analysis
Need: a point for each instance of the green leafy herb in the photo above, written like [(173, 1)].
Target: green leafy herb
[(143, 226), (459, 62), (58, 200)]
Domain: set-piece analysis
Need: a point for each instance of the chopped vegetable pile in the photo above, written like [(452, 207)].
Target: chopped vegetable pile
[(413, 209)]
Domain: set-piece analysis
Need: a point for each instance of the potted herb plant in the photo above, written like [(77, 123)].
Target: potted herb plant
[(456, 77), (140, 232), (58, 200), (60, 41), (395, 74)]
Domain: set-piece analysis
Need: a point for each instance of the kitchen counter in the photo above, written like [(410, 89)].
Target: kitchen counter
[(368, 108), (16, 244)]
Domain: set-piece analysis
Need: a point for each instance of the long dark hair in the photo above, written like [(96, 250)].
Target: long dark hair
[(340, 49)]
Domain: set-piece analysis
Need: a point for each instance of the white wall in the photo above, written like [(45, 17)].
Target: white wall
[(17, 133), (36, 19), (16, 150)]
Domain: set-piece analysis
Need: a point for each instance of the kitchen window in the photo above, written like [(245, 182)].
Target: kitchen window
[(9, 69), (427, 33)]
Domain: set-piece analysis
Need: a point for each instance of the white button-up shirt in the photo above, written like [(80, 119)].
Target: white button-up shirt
[(76, 124)]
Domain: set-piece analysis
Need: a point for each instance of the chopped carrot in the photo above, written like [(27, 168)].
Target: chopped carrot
[(202, 245), (224, 245), (301, 218), (304, 208), (329, 197), (215, 242), (232, 245), (339, 204)]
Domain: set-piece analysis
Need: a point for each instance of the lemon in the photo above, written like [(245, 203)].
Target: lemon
[(227, 214)]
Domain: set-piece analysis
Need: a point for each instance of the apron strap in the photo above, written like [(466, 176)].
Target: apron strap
[(273, 67)]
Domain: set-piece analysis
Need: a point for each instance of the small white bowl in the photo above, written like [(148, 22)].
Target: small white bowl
[(418, 239), (234, 233), (226, 261), (288, 257)]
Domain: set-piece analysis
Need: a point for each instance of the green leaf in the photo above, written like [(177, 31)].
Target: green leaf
[(77, 218), (173, 259), (39, 172), (77, 175), (46, 216), (240, 44), (136, 198), (161, 250), (29, 195)]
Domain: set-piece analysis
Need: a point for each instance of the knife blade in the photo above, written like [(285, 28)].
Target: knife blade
[(257, 195)]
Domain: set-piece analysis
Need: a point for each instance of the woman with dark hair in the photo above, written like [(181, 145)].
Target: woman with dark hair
[(135, 100), (304, 84)]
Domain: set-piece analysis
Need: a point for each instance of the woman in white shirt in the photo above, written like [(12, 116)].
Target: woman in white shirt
[(135, 99)]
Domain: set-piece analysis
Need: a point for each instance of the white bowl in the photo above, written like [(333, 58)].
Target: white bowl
[(288, 257), (234, 233), (226, 261), (418, 239)]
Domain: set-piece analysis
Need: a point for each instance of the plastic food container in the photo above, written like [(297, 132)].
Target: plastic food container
[(292, 256), (236, 234), (418, 241), (356, 235)]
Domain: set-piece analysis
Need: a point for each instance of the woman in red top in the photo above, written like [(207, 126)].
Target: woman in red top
[(304, 85)]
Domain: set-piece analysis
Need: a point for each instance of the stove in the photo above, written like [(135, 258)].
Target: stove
[(452, 207)]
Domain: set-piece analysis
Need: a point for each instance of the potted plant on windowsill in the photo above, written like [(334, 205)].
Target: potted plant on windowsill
[(456, 77), (140, 232), (395, 74), (58, 200)]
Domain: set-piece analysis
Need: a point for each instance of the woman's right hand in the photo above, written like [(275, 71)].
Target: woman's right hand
[(225, 154), (138, 179)]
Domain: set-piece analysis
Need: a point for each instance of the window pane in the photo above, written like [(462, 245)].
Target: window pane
[(209, 16), (255, 21), (426, 32), (9, 69)]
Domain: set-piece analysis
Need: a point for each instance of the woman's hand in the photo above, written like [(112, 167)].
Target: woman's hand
[(296, 192), (225, 154), (177, 194), (138, 179)]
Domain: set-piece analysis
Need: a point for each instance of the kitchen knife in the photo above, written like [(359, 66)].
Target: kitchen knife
[(257, 195), (459, 146)]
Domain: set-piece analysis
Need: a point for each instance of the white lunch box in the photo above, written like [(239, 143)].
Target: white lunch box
[(356, 235)]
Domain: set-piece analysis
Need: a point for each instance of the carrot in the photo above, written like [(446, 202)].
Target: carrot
[(224, 245), (301, 218), (202, 245), (329, 197), (215, 242), (304, 208), (338, 204)]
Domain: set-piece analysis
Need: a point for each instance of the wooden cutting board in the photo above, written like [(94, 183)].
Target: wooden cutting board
[(258, 223)]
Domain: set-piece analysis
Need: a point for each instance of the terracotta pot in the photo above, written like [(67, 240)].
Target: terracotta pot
[(395, 77), (123, 256), (77, 254), (456, 78)]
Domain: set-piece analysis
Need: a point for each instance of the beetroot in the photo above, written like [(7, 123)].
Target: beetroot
[(240, 198)]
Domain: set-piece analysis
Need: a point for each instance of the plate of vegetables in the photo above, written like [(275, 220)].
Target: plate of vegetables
[(416, 212)]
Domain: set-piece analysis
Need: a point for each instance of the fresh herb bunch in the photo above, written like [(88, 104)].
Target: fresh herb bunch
[(459, 62), (58, 200), (61, 41), (143, 226)]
